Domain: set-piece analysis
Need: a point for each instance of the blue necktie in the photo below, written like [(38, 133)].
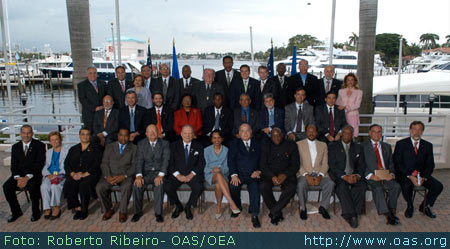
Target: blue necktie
[(217, 121), (122, 146), (132, 129), (271, 118), (186, 154)]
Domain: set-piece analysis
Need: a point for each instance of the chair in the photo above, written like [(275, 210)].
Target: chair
[(27, 195), (319, 189), (425, 192)]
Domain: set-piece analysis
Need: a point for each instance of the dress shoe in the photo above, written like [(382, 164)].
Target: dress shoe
[(35, 217), (237, 211), (189, 215), (324, 213), (274, 220), (54, 217), (391, 220), (235, 214), (14, 217), (108, 214), (159, 218), (255, 222), (83, 215), (122, 217), (218, 216), (353, 221), (77, 215), (303, 214), (427, 211), (177, 211), (47, 214), (136, 217), (409, 211)]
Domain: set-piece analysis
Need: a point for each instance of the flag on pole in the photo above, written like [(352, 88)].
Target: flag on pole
[(149, 60), (294, 61), (270, 63), (175, 71), (17, 56)]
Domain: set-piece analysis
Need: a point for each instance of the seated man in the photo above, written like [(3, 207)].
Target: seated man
[(133, 117), (270, 117), (152, 161), (298, 115), (27, 161), (189, 171), (118, 166), (329, 119), (414, 164), (245, 114), (378, 156), (279, 164), (346, 164), (243, 162), (313, 171), (106, 122)]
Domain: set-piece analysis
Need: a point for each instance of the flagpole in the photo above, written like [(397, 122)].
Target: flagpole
[(397, 108), (7, 29), (333, 16), (119, 52), (113, 44), (251, 47)]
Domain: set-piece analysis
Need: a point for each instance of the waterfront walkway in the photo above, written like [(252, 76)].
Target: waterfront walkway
[(206, 222)]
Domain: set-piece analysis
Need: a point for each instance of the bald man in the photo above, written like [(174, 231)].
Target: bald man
[(106, 122)]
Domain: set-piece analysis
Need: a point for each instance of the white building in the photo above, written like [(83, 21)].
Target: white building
[(132, 49)]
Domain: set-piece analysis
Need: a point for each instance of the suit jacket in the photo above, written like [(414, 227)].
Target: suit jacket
[(48, 161), (371, 158), (252, 120), (283, 94), (279, 159), (115, 164), (322, 117), (225, 122), (243, 162), (166, 119), (89, 98), (140, 120), (196, 160), (253, 90), (321, 94), (290, 116), (406, 160), (278, 118), (201, 98), (154, 161), (88, 160), (337, 159), (32, 163), (112, 125), (321, 163), (172, 97), (194, 119), (221, 78), (270, 86), (310, 86), (183, 89), (115, 91)]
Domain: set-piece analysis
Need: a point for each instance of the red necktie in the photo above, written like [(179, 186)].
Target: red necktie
[(158, 122), (122, 85), (377, 152), (244, 119), (415, 147), (95, 86), (331, 122)]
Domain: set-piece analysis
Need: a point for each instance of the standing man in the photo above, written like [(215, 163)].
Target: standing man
[(414, 164), (118, 86), (203, 91), (298, 115), (330, 119), (152, 161), (186, 82), (168, 86), (161, 116), (306, 80), (118, 166), (27, 161), (266, 85), (282, 82), (227, 76), (378, 156), (106, 122), (217, 117), (146, 72), (247, 85), (327, 84), (90, 94), (133, 117)]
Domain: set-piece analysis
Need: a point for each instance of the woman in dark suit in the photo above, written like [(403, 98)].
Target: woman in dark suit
[(82, 166), (188, 115)]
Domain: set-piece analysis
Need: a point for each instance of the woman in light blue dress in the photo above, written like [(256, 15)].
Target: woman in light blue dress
[(144, 95), (216, 172)]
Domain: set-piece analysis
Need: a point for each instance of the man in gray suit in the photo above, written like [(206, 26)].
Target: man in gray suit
[(203, 91), (298, 115), (106, 122), (378, 156), (117, 169), (152, 161)]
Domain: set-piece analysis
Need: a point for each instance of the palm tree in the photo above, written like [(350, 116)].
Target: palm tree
[(353, 39), (366, 51), (429, 40), (80, 37)]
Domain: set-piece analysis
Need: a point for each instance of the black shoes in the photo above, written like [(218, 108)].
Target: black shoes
[(35, 217), (177, 211), (324, 213), (255, 222), (352, 221), (159, 218), (189, 215), (409, 211), (14, 217), (427, 211), (303, 214), (274, 219), (392, 219), (83, 215), (77, 215)]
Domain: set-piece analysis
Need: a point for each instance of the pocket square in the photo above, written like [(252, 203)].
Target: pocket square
[(195, 153)]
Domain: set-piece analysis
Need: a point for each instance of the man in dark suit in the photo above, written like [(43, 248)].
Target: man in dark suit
[(162, 116), (306, 80), (270, 117), (245, 114), (118, 86), (133, 117), (189, 171), (203, 91), (297, 116), (346, 169), (266, 85), (90, 94), (378, 156), (27, 161), (168, 86), (186, 82), (327, 84), (152, 162), (227, 76), (282, 82), (329, 119), (217, 117), (414, 164), (106, 122), (247, 85), (147, 73), (118, 166), (279, 165), (243, 162)]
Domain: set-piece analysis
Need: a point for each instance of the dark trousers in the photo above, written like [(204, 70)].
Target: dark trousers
[(253, 191), (172, 184), (288, 188), (351, 196), (378, 190), (85, 187), (33, 186), (432, 184)]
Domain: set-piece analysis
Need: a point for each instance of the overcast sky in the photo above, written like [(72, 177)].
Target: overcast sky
[(221, 26)]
